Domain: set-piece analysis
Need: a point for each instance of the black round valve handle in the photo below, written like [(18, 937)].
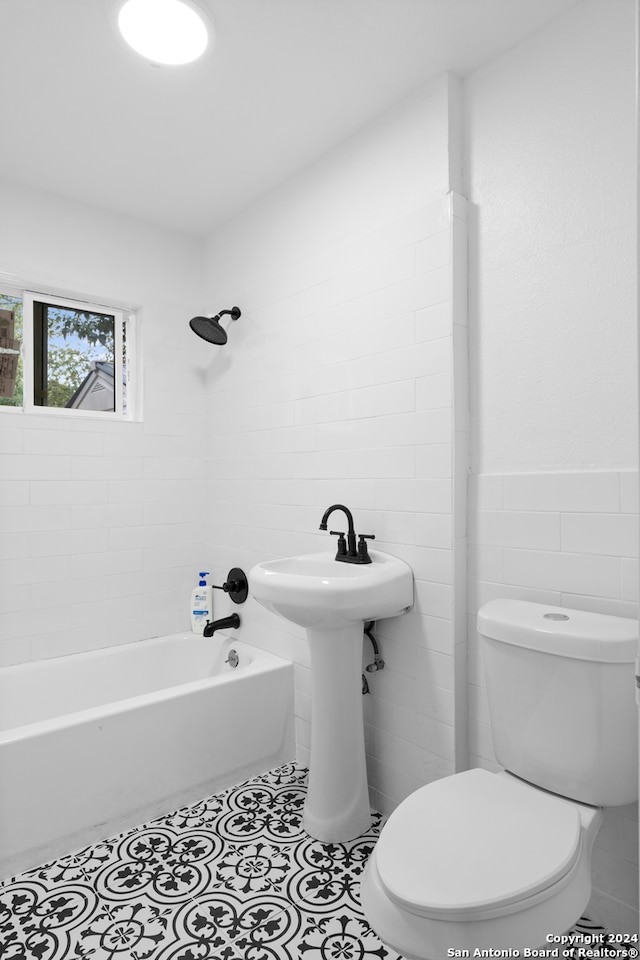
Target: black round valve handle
[(236, 585)]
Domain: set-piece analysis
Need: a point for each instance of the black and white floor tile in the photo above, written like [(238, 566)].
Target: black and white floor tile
[(234, 877)]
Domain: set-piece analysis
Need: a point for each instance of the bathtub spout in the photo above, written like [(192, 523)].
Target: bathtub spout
[(212, 626)]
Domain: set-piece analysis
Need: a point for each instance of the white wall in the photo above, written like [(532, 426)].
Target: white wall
[(553, 503), (550, 159), (337, 385), (100, 527)]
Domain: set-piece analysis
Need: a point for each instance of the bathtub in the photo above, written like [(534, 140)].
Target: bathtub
[(95, 743)]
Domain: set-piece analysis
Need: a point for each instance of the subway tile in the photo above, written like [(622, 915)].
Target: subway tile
[(619, 836), (70, 492), (437, 737), (11, 441), (478, 702), (423, 290), (335, 377), (14, 493), (433, 529), (435, 426), (13, 467), (359, 494), (65, 593), (381, 400), (507, 528), (480, 742), (396, 266), (481, 592), (436, 702), (629, 491), (106, 468), (630, 577), (65, 543), (418, 495), (485, 492), (434, 321), (106, 564), (390, 782), (17, 598), (597, 492), (377, 462), (396, 718), (69, 442), (437, 668), (428, 563), (617, 876), (28, 517), (14, 545), (15, 650), (32, 570), (433, 599), (610, 534), (434, 391), (434, 460), (88, 516), (569, 573), (417, 360), (433, 251), (438, 635), (133, 514), (611, 607), (486, 563)]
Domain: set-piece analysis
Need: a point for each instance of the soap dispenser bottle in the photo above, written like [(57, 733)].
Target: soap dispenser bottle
[(201, 604)]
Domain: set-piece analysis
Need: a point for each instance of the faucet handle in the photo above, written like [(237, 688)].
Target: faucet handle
[(363, 553), (342, 543)]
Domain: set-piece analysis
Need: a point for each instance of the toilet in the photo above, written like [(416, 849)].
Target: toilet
[(482, 860)]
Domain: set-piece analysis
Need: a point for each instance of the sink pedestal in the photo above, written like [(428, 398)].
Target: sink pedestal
[(337, 804), (332, 601)]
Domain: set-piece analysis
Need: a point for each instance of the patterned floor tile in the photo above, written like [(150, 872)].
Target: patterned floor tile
[(158, 864), (260, 810), (341, 935), (326, 876), (218, 925), (287, 775), (233, 877), (37, 922)]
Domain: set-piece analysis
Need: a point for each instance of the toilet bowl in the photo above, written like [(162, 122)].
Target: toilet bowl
[(500, 861), (477, 861)]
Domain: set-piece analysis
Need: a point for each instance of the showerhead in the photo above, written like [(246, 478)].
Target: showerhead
[(209, 327)]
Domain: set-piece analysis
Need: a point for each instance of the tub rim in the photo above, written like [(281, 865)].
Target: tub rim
[(262, 661)]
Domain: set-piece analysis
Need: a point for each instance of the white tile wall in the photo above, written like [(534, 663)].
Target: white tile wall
[(99, 547), (341, 390), (100, 533), (568, 539)]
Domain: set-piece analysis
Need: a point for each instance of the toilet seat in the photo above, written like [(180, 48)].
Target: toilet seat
[(476, 845)]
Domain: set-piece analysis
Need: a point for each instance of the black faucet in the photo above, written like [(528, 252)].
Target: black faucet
[(213, 625), (347, 550)]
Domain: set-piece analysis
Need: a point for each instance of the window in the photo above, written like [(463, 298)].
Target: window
[(66, 356)]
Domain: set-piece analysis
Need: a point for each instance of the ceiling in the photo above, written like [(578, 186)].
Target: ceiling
[(188, 147)]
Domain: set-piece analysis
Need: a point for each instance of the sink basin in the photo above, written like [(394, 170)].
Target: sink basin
[(316, 590)]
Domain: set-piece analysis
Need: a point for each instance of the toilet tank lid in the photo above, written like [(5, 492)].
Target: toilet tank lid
[(560, 631)]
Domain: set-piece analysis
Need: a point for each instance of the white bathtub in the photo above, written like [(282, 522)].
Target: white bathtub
[(94, 743)]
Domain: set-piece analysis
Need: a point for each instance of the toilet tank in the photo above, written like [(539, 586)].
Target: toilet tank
[(561, 690)]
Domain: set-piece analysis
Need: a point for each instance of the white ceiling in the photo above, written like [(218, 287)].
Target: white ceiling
[(187, 147)]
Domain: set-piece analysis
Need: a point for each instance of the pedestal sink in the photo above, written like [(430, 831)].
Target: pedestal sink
[(333, 600)]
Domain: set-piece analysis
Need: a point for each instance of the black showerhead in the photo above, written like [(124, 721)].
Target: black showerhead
[(209, 327)]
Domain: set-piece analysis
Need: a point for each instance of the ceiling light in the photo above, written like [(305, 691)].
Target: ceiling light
[(164, 31)]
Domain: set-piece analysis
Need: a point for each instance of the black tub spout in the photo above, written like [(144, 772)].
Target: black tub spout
[(211, 626)]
